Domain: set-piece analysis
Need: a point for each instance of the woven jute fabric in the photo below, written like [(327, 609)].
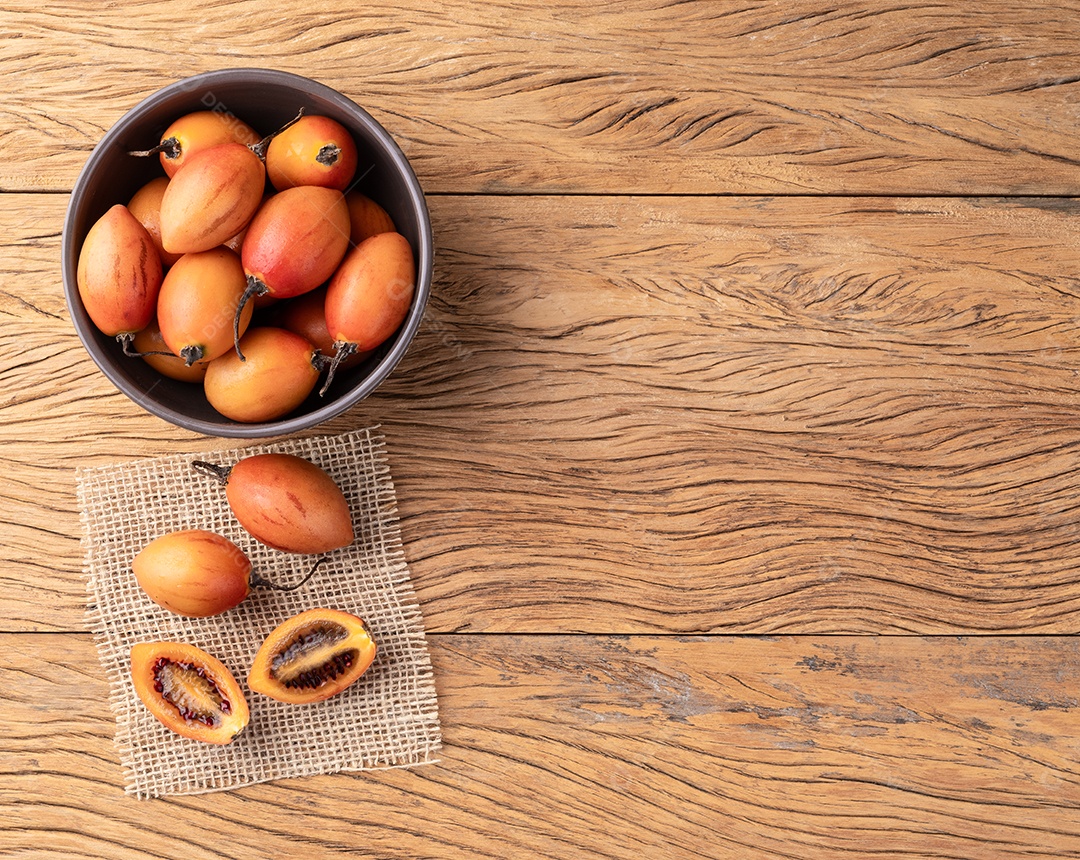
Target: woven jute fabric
[(389, 718)]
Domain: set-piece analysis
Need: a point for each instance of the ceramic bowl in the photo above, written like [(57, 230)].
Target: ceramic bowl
[(266, 100)]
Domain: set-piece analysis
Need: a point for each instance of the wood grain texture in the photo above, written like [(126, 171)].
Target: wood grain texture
[(647, 414), (608, 747), (574, 96)]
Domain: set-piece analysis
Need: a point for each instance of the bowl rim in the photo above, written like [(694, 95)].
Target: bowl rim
[(348, 399)]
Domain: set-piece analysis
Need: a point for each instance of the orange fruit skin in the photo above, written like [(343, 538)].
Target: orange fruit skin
[(293, 157), (289, 503), (230, 718), (366, 217), (211, 198), (145, 205), (371, 291), (262, 678), (306, 315), (201, 130), (149, 339), (276, 376), (193, 572), (297, 239), (119, 273), (198, 301)]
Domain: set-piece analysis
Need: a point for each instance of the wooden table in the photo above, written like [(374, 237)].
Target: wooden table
[(737, 457)]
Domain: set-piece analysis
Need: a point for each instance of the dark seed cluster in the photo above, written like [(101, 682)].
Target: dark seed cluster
[(314, 637), (329, 670), (172, 680)]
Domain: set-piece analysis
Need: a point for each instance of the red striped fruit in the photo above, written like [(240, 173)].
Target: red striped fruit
[(211, 198), (286, 502), (119, 273)]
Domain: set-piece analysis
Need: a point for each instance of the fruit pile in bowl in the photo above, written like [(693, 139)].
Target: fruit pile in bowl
[(247, 253)]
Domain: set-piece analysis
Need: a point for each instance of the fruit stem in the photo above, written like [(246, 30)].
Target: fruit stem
[(260, 148), (191, 353), (170, 146), (254, 288), (342, 350), (220, 473), (328, 155), (258, 582), (127, 339)]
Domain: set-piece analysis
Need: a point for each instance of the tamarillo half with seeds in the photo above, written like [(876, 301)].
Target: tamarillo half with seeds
[(312, 656), (285, 501), (198, 573), (119, 274), (189, 691)]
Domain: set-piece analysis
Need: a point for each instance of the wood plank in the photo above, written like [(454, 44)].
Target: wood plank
[(866, 407), (573, 96), (608, 747)]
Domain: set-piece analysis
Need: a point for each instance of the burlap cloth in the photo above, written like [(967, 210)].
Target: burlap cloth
[(389, 718)]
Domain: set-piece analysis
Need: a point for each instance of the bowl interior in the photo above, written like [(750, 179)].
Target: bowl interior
[(266, 100)]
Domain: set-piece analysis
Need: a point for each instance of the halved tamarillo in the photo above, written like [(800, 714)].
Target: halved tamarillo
[(198, 303), (189, 691), (312, 656), (316, 150), (279, 371), (369, 295), (197, 131), (285, 502), (151, 347), (119, 274), (145, 205), (198, 573), (294, 243)]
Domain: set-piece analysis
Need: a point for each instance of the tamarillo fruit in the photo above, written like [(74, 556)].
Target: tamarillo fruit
[(150, 346), (369, 296), (211, 198), (312, 656), (279, 371), (315, 150), (366, 218), (294, 243), (197, 131), (198, 573), (285, 502), (119, 274), (189, 691), (145, 205), (198, 302)]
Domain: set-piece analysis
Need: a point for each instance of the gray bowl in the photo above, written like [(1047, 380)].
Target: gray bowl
[(266, 100)]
